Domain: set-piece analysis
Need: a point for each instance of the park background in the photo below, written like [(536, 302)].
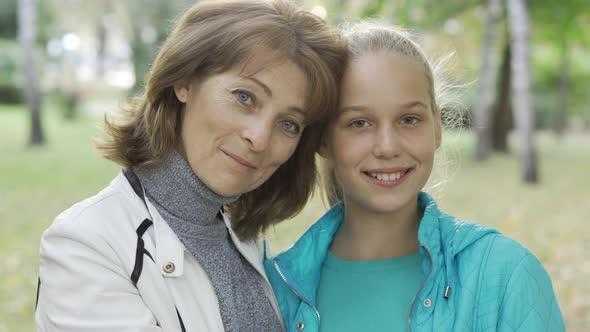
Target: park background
[(518, 160)]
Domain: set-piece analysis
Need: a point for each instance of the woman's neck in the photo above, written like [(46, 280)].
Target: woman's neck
[(367, 235), (173, 186)]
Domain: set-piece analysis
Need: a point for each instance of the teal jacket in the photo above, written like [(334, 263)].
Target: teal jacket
[(475, 278)]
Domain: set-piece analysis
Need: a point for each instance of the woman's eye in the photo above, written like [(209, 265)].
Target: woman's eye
[(291, 127), (409, 120), (359, 123), (244, 97)]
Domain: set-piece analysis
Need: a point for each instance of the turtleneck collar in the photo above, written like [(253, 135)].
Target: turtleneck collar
[(173, 187)]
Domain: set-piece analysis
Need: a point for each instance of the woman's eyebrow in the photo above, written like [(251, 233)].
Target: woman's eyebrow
[(268, 92), (266, 89), (298, 111)]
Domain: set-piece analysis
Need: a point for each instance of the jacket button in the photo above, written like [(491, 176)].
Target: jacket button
[(427, 303), (300, 326), (169, 267)]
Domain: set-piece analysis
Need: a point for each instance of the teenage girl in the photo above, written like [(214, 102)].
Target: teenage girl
[(384, 257)]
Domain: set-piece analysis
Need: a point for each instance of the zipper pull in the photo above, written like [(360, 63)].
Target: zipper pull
[(448, 292)]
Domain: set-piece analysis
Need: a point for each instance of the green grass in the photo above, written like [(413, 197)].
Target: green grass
[(550, 218)]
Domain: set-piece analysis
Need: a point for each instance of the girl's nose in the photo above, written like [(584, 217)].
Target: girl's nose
[(387, 144)]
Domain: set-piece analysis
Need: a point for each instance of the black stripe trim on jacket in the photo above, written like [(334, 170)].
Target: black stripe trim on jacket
[(148, 254), (38, 288), (139, 251), (180, 320), (135, 183), (145, 224)]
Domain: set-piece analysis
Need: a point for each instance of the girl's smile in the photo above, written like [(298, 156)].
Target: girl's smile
[(388, 177)]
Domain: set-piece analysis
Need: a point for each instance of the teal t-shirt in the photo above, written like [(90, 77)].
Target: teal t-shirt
[(367, 296)]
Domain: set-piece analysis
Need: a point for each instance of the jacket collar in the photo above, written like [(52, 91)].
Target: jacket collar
[(168, 248), (443, 237), (301, 264)]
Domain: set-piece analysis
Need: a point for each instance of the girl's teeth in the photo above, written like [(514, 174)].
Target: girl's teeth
[(386, 177)]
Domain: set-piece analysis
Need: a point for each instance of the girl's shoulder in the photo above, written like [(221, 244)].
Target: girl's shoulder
[(477, 247)]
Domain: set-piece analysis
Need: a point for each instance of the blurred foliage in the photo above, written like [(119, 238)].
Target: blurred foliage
[(8, 19), (10, 57), (373, 8), (443, 26), (559, 29)]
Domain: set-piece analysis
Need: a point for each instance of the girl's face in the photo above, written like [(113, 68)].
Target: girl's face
[(239, 126), (382, 143)]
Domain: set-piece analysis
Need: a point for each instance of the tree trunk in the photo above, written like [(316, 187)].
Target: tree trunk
[(502, 119), (561, 113), (101, 37), (391, 11), (521, 85), (27, 35), (487, 79)]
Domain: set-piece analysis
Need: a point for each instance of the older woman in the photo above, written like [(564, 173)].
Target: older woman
[(227, 119)]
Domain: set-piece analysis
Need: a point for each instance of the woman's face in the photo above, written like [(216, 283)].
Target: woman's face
[(240, 125)]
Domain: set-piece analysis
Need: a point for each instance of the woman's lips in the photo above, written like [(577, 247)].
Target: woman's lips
[(243, 162)]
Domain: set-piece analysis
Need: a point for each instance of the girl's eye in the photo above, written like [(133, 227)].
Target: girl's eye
[(409, 120), (291, 127), (244, 97), (359, 124)]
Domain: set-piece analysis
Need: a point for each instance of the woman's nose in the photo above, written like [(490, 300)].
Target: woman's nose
[(258, 133)]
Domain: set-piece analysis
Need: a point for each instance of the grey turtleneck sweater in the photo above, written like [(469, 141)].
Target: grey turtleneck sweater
[(191, 209)]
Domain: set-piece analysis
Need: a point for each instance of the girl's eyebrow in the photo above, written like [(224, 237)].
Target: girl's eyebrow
[(407, 105), (413, 104)]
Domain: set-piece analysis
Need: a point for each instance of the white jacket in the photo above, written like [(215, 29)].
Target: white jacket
[(87, 258)]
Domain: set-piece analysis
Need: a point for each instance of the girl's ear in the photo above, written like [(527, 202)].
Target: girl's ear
[(181, 91)]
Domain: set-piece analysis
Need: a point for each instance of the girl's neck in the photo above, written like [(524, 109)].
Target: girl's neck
[(366, 235)]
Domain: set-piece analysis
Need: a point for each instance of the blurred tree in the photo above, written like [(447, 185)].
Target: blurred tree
[(8, 19), (147, 23), (101, 37), (502, 119), (557, 21), (487, 79), (27, 30), (518, 21)]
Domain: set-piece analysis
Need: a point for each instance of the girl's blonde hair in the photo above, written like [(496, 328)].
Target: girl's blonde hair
[(212, 37), (368, 38)]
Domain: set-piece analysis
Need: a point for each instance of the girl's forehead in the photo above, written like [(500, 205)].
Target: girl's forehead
[(384, 77), (385, 63)]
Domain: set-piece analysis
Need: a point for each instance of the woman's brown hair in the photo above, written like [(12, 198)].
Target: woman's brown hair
[(212, 37)]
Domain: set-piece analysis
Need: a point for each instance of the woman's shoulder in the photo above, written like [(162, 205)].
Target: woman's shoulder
[(107, 209)]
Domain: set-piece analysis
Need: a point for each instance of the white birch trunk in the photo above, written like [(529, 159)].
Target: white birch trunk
[(487, 80), (27, 25), (561, 113), (524, 118)]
